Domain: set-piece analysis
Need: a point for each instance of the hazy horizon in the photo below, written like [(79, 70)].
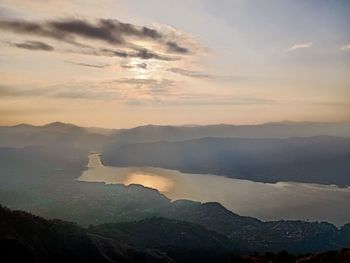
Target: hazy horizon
[(177, 125)]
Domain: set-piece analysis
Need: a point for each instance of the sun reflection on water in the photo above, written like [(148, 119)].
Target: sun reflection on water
[(160, 183)]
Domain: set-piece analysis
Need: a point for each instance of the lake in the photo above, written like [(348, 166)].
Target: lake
[(266, 201)]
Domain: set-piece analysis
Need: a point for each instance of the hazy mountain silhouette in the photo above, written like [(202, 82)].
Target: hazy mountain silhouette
[(321, 159), (318, 159), (54, 135), (92, 138), (154, 133)]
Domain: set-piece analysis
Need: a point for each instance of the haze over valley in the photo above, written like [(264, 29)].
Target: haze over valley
[(252, 177)]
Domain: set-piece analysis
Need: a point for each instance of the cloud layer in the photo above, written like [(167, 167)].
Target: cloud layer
[(118, 37), (190, 73), (132, 91)]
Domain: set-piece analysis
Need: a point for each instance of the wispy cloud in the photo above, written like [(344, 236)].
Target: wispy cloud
[(132, 91), (64, 90), (346, 47), (208, 76), (88, 64), (33, 45), (190, 73), (126, 89), (300, 46)]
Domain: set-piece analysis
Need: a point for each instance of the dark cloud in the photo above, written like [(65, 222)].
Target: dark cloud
[(111, 31), (120, 28), (147, 54), (88, 65), (190, 73), (85, 29), (32, 28), (34, 45), (127, 66), (174, 47), (112, 53), (139, 53), (142, 65), (107, 30)]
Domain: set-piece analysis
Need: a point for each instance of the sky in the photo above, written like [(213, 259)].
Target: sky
[(125, 63)]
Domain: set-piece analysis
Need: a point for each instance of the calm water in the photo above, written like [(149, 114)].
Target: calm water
[(287, 200)]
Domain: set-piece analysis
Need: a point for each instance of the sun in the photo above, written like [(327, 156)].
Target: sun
[(139, 67)]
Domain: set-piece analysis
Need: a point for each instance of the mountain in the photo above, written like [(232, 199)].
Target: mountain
[(340, 256), (28, 238), (54, 135), (211, 215), (154, 133), (42, 181), (255, 235), (320, 159), (182, 241), (92, 139)]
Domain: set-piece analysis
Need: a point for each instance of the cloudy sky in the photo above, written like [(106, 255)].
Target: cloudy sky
[(123, 63)]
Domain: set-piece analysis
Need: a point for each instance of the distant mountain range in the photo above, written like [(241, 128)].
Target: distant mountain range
[(52, 135), (156, 133), (93, 138), (321, 159), (271, 152)]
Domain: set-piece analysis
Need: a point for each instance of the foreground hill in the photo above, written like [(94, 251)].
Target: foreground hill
[(321, 159), (342, 256), (28, 238), (255, 235), (182, 241), (188, 242)]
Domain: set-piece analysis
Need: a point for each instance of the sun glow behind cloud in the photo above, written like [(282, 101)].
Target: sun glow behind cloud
[(141, 64)]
